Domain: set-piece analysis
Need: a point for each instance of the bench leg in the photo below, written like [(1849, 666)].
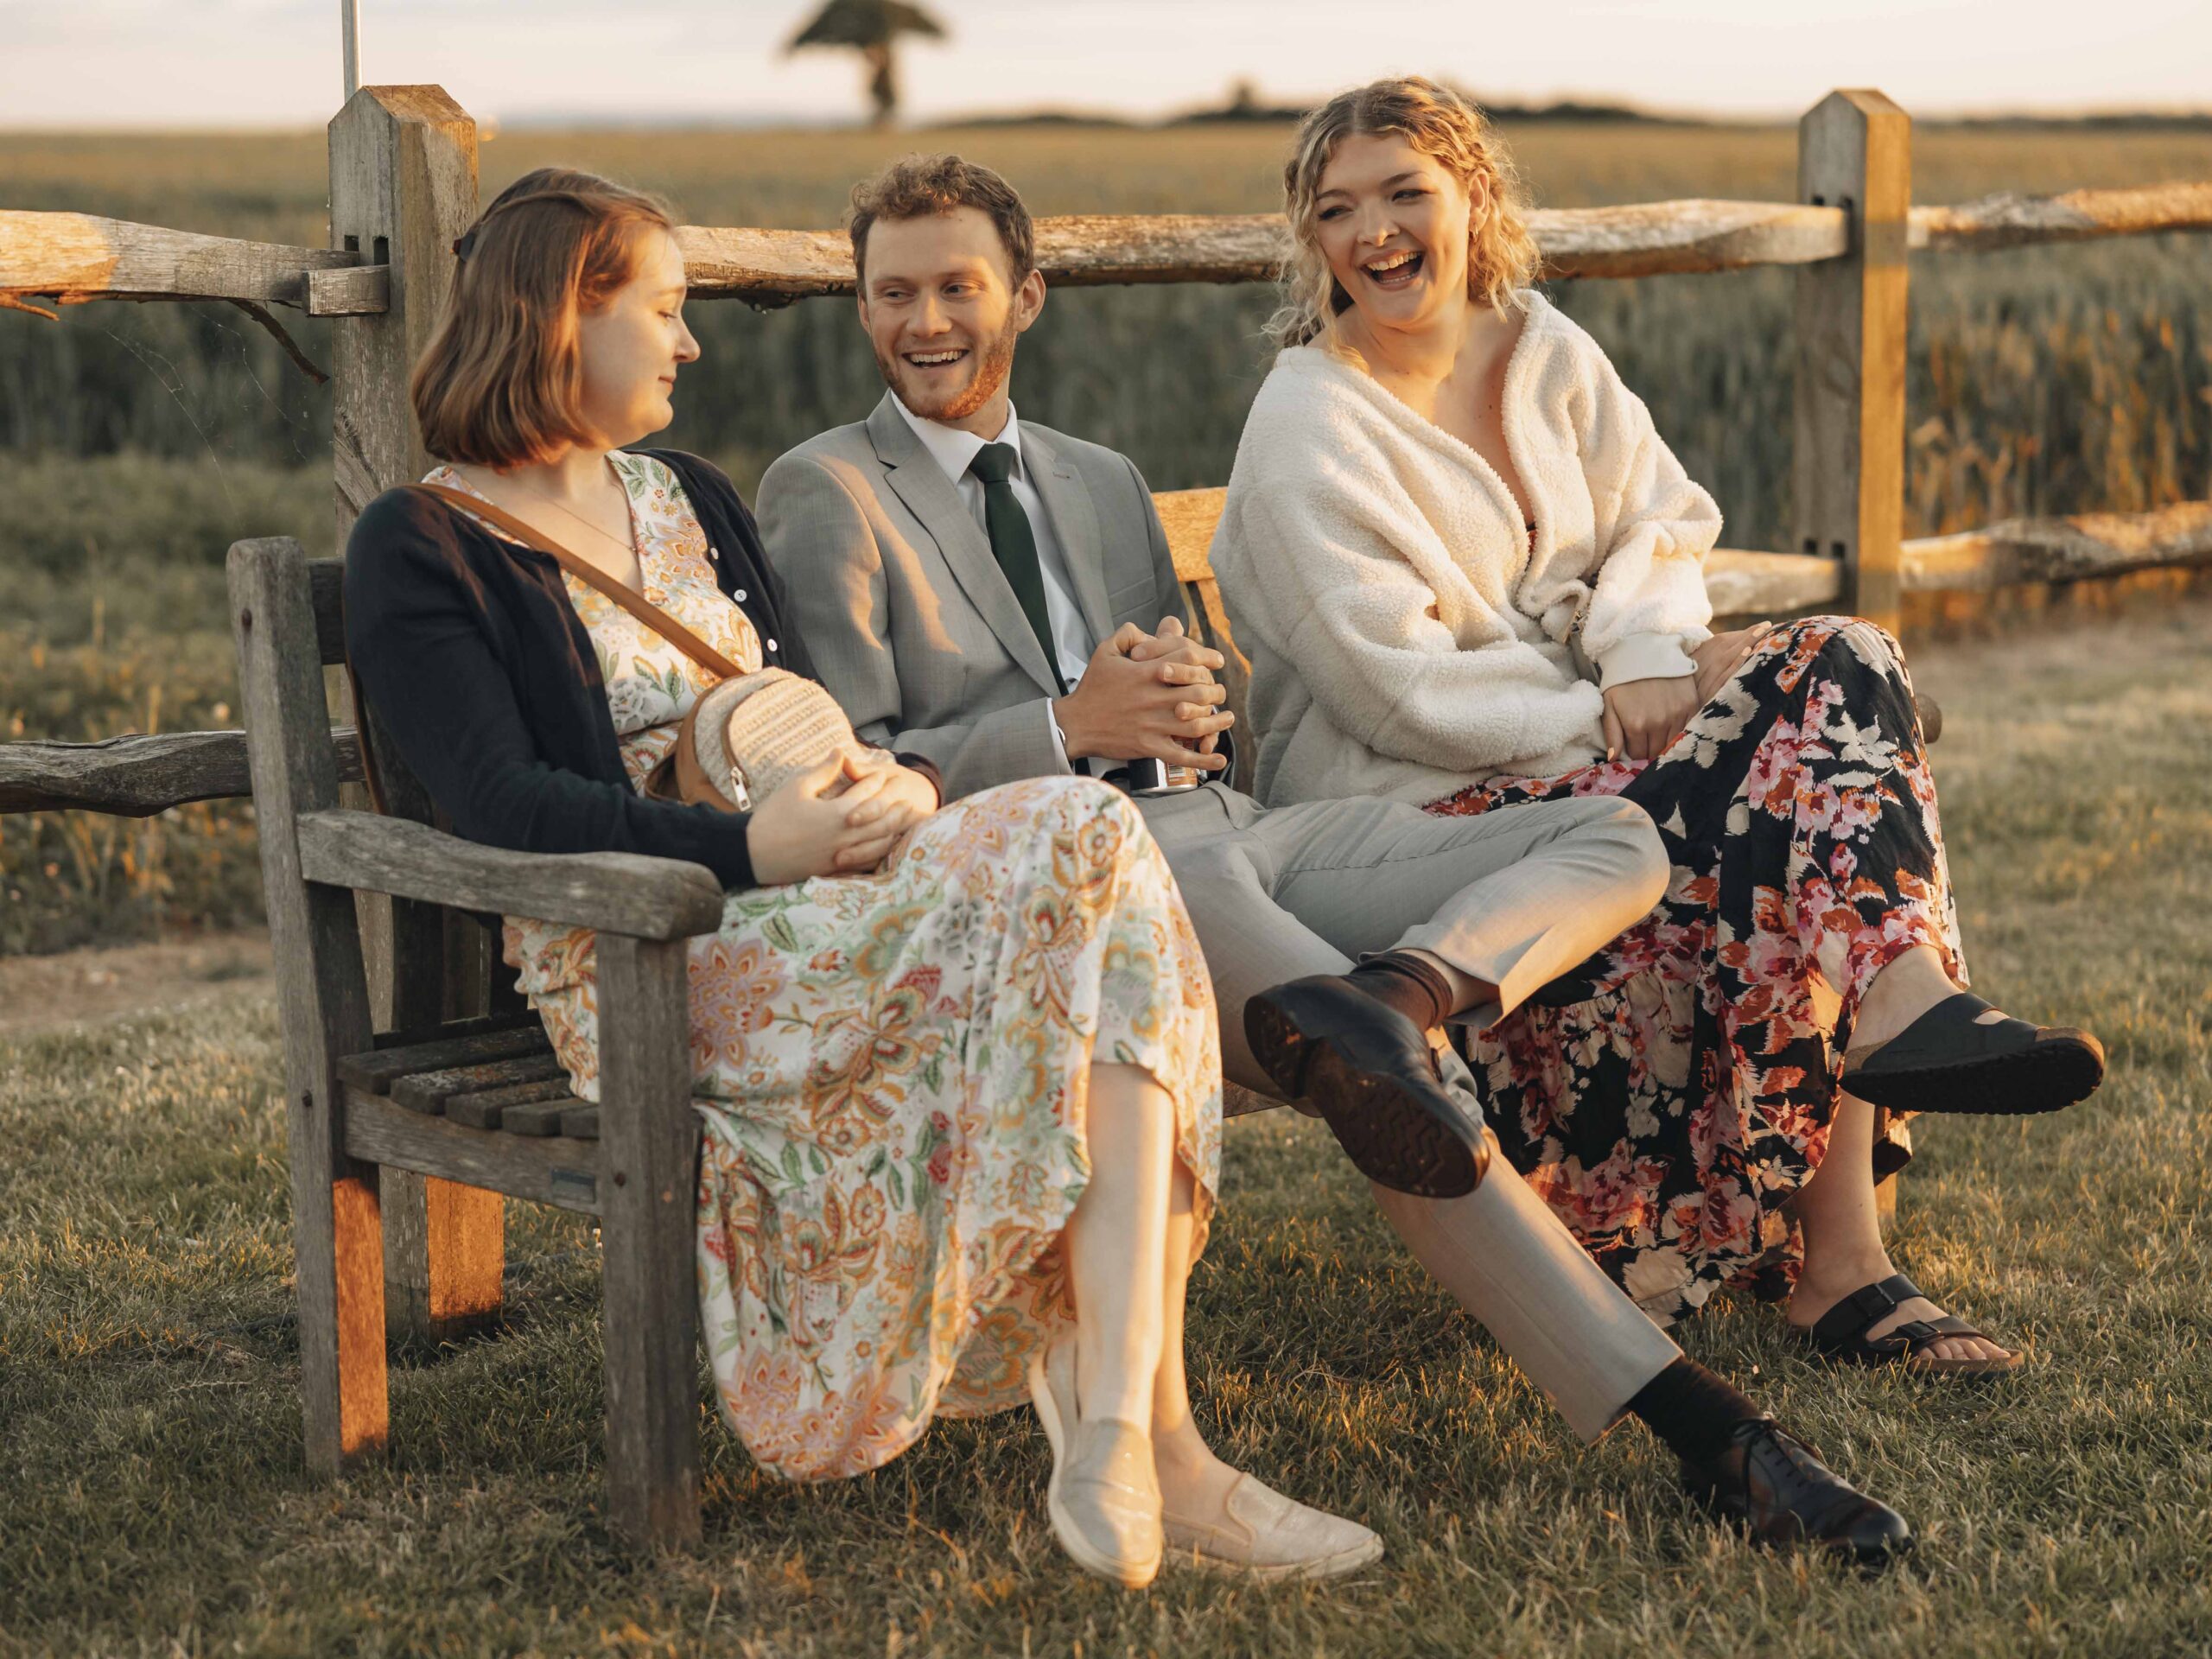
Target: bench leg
[(338, 1253), (444, 1243), (444, 1254), (648, 1185)]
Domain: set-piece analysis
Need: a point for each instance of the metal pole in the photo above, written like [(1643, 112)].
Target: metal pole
[(349, 13)]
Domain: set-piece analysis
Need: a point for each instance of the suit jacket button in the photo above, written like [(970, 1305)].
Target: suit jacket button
[(714, 553), (739, 595), (772, 645)]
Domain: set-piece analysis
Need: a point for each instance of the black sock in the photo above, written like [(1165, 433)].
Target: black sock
[(1692, 1410), (1400, 979)]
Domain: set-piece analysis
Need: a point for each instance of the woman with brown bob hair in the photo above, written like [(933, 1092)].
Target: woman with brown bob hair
[(1469, 573), (956, 1067)]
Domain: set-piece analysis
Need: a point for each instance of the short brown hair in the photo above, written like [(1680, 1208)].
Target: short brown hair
[(501, 383), (916, 187)]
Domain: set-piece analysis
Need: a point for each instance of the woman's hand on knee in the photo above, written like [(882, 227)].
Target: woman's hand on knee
[(1719, 659), (835, 819), (1643, 717), (885, 803)]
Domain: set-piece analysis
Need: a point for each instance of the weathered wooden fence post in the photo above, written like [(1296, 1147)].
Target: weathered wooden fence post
[(402, 186), (1854, 151)]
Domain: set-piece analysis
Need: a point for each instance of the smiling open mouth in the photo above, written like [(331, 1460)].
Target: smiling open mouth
[(1395, 271), (936, 359)]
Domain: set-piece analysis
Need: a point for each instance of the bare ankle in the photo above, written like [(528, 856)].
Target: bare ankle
[(1836, 1273), (1106, 1386), (1903, 990), (1181, 1449)]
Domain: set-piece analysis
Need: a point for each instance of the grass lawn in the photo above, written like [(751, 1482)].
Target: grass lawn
[(155, 1499)]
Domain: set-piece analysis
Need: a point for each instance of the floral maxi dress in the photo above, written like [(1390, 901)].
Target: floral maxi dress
[(1669, 1096), (893, 1068)]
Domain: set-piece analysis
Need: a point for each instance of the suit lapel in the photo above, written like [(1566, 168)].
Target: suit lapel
[(917, 479), (1075, 521)]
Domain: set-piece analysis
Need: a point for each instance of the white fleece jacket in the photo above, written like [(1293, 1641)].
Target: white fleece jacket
[(1405, 638)]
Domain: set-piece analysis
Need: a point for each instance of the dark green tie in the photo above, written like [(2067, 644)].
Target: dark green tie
[(1013, 545)]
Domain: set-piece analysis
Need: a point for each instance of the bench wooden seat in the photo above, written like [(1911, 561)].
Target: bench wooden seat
[(383, 1067)]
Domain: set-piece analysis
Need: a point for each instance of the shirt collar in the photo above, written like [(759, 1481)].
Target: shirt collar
[(953, 449)]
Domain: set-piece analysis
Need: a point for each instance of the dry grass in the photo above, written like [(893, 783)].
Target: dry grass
[(147, 1406)]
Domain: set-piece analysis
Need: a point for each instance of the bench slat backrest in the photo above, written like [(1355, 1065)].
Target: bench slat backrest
[(1189, 517)]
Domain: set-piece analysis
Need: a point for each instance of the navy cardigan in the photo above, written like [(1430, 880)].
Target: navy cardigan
[(482, 674)]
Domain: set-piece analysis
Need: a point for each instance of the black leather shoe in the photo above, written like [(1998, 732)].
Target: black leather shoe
[(1771, 1484), (1369, 1070)]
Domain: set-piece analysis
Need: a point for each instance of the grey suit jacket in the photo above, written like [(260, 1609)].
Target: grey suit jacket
[(909, 621)]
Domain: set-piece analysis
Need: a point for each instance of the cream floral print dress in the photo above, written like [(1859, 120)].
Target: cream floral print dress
[(892, 1068)]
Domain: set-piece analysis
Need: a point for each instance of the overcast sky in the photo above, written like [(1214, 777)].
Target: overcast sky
[(79, 63)]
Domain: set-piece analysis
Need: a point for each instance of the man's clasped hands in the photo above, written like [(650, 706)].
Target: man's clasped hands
[(1143, 694)]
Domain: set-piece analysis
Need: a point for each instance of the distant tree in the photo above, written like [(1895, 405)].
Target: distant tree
[(871, 27)]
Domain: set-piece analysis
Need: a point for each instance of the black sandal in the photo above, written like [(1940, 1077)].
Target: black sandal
[(1840, 1334), (1945, 1062)]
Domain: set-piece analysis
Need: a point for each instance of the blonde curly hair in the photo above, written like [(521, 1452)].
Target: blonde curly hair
[(1501, 257)]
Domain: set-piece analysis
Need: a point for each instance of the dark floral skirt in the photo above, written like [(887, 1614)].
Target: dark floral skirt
[(1670, 1096)]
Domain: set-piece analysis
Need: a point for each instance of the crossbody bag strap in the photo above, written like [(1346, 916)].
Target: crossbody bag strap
[(622, 593)]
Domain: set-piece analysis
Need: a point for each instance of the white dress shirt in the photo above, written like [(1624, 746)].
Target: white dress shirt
[(955, 451)]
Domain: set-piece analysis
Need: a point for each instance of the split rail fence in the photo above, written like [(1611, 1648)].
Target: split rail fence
[(404, 185)]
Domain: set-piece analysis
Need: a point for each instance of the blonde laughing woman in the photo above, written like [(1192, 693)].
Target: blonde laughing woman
[(958, 1071), (1468, 572)]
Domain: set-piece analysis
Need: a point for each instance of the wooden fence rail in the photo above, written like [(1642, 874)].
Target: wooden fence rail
[(70, 259), (2009, 221), (2072, 548)]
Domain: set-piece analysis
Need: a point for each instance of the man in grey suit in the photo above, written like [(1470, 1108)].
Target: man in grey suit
[(1001, 598)]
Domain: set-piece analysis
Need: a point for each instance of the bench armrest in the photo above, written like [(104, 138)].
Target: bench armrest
[(611, 892)]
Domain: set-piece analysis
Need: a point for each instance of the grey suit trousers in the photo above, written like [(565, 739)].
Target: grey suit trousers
[(1515, 898)]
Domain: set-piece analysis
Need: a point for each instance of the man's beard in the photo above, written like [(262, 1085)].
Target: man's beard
[(994, 363)]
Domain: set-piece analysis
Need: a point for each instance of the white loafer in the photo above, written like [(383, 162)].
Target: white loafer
[(1103, 1496), (1263, 1535)]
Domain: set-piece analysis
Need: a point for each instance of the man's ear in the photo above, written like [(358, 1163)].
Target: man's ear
[(860, 299), (1028, 300)]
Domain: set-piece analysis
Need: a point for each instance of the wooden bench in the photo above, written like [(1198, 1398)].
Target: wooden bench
[(478, 1102)]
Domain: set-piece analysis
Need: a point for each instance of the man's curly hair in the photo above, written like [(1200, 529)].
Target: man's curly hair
[(916, 187)]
